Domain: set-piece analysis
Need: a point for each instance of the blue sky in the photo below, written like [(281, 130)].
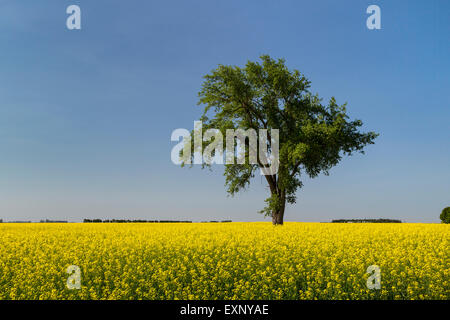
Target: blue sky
[(86, 115)]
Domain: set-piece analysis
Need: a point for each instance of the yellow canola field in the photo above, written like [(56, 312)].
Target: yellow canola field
[(224, 261)]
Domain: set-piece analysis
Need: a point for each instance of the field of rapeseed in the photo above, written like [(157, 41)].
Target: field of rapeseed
[(224, 261)]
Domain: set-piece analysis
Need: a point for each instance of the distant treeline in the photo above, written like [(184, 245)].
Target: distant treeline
[(17, 221), (141, 221), (366, 221)]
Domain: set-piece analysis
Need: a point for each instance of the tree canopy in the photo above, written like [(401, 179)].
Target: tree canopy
[(445, 215)]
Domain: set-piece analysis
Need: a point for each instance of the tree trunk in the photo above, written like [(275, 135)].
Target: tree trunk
[(277, 217)]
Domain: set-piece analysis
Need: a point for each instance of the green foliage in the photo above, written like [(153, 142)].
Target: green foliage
[(313, 136), (445, 215), (273, 204)]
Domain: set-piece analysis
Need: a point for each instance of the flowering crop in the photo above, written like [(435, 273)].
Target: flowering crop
[(224, 261)]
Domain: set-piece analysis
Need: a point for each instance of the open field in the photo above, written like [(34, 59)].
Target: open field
[(224, 261)]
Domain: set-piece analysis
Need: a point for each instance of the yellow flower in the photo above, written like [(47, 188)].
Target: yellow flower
[(224, 261)]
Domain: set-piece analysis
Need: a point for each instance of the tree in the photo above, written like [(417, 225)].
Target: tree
[(312, 137), (445, 215)]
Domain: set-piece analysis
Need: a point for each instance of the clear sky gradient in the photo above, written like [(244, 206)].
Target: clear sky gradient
[(86, 115)]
